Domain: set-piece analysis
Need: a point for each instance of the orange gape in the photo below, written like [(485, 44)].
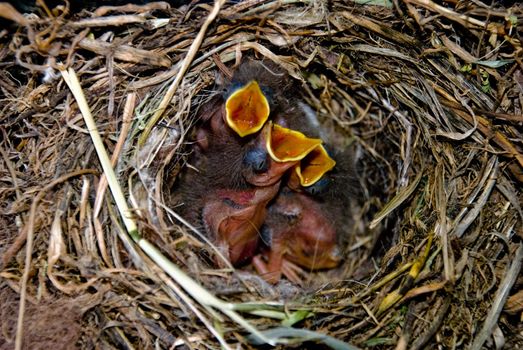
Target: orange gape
[(299, 234), (312, 168), (285, 148), (286, 145), (247, 109)]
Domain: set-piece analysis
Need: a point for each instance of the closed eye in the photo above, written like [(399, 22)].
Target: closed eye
[(320, 187), (256, 159), (232, 203)]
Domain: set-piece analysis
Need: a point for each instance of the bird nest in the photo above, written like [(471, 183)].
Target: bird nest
[(427, 94)]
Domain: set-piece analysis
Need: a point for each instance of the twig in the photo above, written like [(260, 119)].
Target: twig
[(462, 226), (108, 21), (501, 297), (183, 68), (126, 125), (464, 20), (429, 333), (125, 53), (29, 249), (396, 201)]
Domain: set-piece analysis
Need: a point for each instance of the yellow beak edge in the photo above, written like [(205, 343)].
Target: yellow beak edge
[(286, 145), (247, 109), (314, 166)]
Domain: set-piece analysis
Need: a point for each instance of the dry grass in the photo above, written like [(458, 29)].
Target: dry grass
[(429, 94)]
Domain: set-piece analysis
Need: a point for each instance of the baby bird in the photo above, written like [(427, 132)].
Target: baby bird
[(227, 197), (242, 158), (297, 232), (231, 218), (305, 226), (308, 221), (236, 130)]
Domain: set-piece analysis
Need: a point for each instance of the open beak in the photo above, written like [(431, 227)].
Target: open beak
[(314, 166), (286, 148), (247, 109), (287, 145)]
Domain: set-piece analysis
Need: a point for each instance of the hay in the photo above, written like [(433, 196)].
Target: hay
[(430, 96)]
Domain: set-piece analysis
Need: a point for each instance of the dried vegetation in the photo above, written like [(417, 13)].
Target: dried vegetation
[(430, 95)]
